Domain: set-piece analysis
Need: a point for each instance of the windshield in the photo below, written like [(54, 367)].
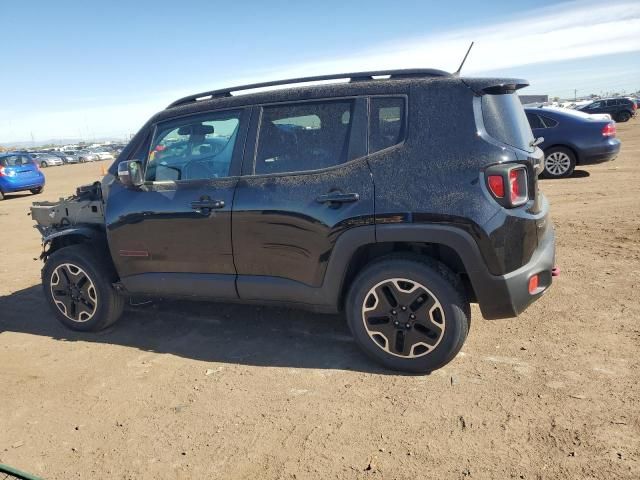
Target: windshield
[(505, 120)]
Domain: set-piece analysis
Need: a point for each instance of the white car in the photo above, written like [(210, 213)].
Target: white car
[(103, 154)]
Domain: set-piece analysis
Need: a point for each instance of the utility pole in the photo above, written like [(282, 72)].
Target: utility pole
[(575, 94)]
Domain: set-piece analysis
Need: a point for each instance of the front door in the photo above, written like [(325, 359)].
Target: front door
[(309, 182), (173, 234)]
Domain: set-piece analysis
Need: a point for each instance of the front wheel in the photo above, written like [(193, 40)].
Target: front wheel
[(408, 314), (37, 190), (78, 284), (559, 162), (43, 165)]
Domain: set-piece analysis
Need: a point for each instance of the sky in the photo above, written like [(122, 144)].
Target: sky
[(81, 69)]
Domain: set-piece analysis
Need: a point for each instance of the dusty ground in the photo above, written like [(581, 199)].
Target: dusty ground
[(207, 391)]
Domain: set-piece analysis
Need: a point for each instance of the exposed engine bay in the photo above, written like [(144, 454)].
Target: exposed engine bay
[(85, 207)]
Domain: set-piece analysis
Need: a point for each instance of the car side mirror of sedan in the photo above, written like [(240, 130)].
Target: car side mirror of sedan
[(130, 173)]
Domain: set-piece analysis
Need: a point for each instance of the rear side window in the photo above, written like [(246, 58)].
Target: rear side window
[(534, 120), (505, 120), (548, 122), (304, 136), (386, 122)]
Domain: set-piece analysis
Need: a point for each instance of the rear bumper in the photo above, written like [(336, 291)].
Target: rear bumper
[(601, 153), (504, 296), (19, 186)]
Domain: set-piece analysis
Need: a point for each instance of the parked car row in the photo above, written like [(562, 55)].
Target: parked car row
[(56, 158)]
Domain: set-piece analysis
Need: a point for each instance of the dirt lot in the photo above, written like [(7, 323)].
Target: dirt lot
[(178, 390)]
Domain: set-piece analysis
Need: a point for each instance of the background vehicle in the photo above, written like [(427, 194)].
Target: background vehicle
[(65, 157), (19, 172), (621, 109), (102, 154), (572, 138), (47, 160), (330, 198), (84, 156)]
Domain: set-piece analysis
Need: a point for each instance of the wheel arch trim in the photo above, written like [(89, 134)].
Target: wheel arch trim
[(461, 242)]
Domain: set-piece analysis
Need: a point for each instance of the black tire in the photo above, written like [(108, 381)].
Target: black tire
[(445, 301), (559, 162), (623, 117), (107, 303), (1, 195), (43, 165), (36, 191)]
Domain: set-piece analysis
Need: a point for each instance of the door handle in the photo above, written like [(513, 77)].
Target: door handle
[(207, 203), (336, 197)]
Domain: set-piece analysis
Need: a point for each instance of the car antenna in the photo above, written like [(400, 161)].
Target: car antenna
[(457, 72)]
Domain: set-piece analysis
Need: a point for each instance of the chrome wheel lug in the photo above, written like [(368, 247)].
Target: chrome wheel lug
[(412, 316), (403, 308), (393, 312), (407, 326)]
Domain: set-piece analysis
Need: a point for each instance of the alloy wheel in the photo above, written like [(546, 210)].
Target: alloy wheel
[(73, 292), (403, 318), (557, 163)]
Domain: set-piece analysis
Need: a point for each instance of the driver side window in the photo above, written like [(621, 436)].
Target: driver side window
[(193, 148)]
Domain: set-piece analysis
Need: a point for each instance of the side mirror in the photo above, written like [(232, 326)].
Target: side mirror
[(130, 173)]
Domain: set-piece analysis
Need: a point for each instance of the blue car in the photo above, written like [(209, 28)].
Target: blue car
[(572, 138), (18, 173)]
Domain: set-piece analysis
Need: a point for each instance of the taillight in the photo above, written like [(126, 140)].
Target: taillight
[(609, 130), (496, 185), (2, 174), (508, 184), (518, 186)]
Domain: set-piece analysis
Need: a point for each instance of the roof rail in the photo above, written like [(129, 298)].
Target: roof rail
[(353, 77)]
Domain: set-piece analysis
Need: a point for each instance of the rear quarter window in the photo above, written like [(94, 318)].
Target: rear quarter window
[(505, 120)]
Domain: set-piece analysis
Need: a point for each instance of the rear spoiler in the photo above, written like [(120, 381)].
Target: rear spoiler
[(494, 86)]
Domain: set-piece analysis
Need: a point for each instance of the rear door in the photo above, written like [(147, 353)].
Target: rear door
[(305, 182), (611, 107), (173, 235)]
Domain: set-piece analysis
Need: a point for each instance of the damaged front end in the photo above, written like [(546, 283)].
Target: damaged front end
[(75, 219)]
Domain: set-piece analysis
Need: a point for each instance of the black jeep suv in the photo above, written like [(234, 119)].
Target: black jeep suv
[(398, 197)]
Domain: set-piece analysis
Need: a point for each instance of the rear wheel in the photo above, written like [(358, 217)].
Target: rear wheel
[(623, 117), (559, 162), (36, 191), (408, 313), (78, 284), (1, 195)]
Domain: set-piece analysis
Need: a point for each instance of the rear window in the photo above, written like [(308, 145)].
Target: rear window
[(15, 161), (505, 120)]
